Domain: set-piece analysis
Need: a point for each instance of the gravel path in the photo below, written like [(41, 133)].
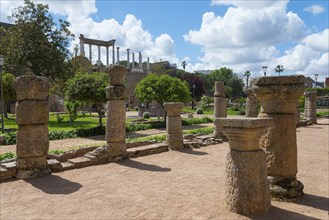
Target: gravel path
[(170, 185)]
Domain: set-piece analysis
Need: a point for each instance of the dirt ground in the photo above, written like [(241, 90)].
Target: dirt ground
[(171, 185)]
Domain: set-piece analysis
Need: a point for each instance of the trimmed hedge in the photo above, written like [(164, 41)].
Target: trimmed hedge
[(10, 138)]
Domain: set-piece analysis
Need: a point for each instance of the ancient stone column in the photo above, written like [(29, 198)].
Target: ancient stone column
[(251, 104), (82, 45), (107, 55), (90, 54), (128, 57), (133, 62), (140, 60), (297, 113), (32, 116), (278, 96), (174, 125), (118, 55), (116, 95), (113, 55), (310, 106), (220, 108), (246, 188)]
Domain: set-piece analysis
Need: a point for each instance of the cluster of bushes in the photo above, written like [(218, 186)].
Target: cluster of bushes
[(10, 138)]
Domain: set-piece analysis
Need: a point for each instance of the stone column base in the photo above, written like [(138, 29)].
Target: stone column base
[(285, 188), (218, 131), (29, 174), (246, 189)]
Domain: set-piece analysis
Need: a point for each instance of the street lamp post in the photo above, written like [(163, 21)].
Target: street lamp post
[(264, 70), (247, 74), (2, 102), (193, 95), (316, 79)]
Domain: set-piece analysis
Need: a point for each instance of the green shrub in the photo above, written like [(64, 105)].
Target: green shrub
[(199, 111), (235, 107), (10, 138), (242, 112), (7, 155), (56, 151), (195, 121), (203, 131), (146, 115), (59, 118), (136, 108), (137, 127)]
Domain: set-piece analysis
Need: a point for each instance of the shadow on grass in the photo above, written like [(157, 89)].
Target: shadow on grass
[(143, 166), (53, 184)]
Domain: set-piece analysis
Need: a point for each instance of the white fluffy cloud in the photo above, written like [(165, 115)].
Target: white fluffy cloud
[(130, 34), (310, 56), (246, 37), (315, 9)]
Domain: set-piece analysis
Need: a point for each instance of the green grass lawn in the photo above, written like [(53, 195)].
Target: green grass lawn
[(82, 121)]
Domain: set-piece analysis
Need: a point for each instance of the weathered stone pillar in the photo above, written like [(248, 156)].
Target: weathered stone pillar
[(107, 55), (32, 116), (118, 55), (246, 188), (82, 45), (251, 104), (140, 60), (297, 113), (116, 95), (174, 125), (220, 108), (90, 54), (99, 54), (133, 62), (310, 106), (113, 55), (278, 96), (128, 57)]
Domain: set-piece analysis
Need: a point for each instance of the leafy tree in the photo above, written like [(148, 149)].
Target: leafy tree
[(162, 88), (81, 64), (88, 88), (9, 93), (36, 43), (233, 85), (195, 80)]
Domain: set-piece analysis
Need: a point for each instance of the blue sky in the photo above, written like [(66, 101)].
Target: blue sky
[(242, 35)]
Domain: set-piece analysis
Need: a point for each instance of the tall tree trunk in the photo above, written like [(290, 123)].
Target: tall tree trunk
[(99, 111)]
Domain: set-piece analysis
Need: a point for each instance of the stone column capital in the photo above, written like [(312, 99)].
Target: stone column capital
[(31, 87), (310, 95), (117, 74), (244, 134), (173, 108), (278, 94), (219, 89)]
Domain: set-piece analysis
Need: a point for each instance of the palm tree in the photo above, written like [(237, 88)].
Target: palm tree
[(247, 74), (184, 64), (279, 69)]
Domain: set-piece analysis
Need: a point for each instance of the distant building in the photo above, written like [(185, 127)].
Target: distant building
[(203, 71)]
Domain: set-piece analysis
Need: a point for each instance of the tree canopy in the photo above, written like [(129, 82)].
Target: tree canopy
[(35, 43), (162, 88), (9, 93), (88, 88), (233, 85)]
